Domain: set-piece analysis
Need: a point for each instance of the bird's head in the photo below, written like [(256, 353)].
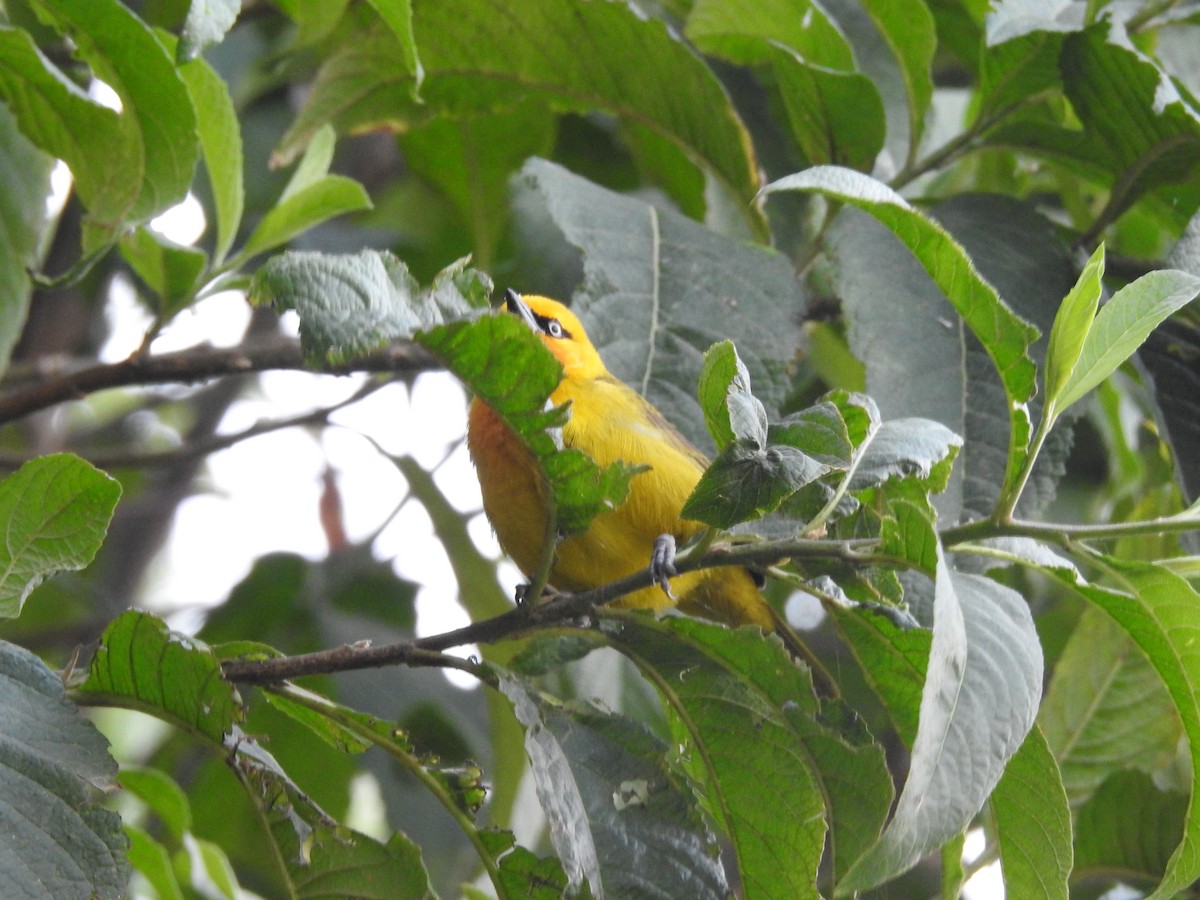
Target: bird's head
[(560, 330)]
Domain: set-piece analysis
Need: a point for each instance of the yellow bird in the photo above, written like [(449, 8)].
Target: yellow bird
[(609, 421)]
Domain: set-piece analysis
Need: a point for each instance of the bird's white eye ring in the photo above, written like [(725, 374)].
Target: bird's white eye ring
[(554, 328)]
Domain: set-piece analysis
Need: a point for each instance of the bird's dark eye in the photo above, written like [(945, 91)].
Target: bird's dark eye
[(554, 328)]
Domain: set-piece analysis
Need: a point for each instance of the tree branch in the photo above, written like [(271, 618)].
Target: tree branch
[(198, 364), (522, 619)]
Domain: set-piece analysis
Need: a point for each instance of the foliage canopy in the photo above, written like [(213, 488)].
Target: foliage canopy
[(883, 260)]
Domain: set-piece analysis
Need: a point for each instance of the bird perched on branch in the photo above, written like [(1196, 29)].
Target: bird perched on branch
[(610, 422)]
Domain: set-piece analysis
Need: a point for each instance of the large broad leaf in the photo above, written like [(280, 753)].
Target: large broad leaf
[(1158, 612), (813, 760), (659, 290), (980, 696), (24, 185), (893, 305), (1004, 335), (486, 55), (54, 513), (1144, 124), (618, 815), (1130, 827), (56, 837), (1106, 709)]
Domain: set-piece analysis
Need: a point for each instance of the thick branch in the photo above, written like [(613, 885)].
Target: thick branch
[(198, 364)]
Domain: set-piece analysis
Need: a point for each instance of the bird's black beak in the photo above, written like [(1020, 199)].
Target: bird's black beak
[(515, 305)]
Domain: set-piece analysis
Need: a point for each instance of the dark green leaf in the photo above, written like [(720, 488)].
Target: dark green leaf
[(483, 56), (614, 804), (142, 664), (1145, 125), (660, 289), (836, 117), (745, 482), (1004, 335), (743, 31), (819, 431), (909, 31), (56, 837), (1033, 823), (894, 307), (770, 763), (1129, 826), (54, 512), (472, 159)]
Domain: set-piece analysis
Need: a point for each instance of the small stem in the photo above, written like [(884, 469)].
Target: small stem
[(1009, 497)]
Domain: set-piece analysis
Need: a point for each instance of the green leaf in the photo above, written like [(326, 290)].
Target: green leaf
[(1130, 827), (153, 862), (1021, 58), (54, 513), (816, 761), (909, 31), (157, 122), (1159, 614), (1106, 709), (1005, 336), (1072, 324), (730, 410), (472, 160), (743, 31), (331, 196), (56, 837), (1144, 125), (659, 290), (613, 802), (1033, 823), (979, 700), (320, 858), (892, 306), (351, 304), (908, 448), (62, 120), (486, 55), (221, 143), (747, 481), (836, 117), (24, 186), (1123, 323), (163, 795), (206, 24), (143, 665), (509, 369), (398, 15), (170, 270)]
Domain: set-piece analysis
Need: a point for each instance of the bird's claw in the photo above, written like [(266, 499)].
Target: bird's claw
[(662, 562)]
